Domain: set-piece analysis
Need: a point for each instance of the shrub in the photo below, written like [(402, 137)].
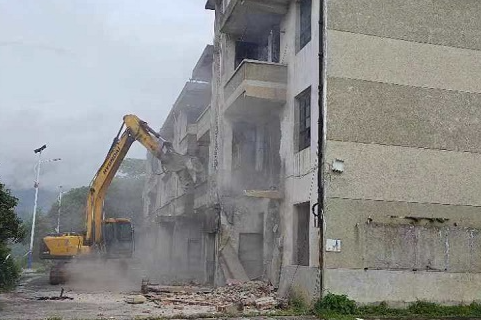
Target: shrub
[(335, 303)]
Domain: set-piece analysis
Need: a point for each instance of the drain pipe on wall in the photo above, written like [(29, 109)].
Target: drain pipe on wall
[(321, 147)]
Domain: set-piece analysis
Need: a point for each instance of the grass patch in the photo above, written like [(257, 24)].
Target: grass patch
[(340, 307), (335, 304)]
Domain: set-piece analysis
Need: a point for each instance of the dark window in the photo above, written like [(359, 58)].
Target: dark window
[(108, 233), (305, 23), (251, 254), (304, 109), (245, 50), (236, 151), (274, 44), (302, 234), (124, 232), (243, 145), (194, 255)]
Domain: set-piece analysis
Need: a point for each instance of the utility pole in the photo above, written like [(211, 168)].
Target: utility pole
[(59, 209), (321, 139), (35, 185)]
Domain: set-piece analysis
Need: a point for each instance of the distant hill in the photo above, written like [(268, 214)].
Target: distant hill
[(26, 198)]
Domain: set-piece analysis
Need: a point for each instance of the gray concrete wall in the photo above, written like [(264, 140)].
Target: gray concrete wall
[(401, 287), (403, 114), (372, 58), (297, 167), (298, 176), (299, 280), (393, 173), (439, 22), (374, 235)]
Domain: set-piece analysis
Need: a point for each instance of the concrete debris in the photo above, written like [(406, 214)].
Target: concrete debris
[(266, 303), (231, 265), (233, 308), (231, 299), (139, 299), (269, 194), (61, 297), (55, 298)]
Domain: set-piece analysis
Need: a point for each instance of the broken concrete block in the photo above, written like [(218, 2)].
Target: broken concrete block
[(233, 308), (269, 194), (136, 299), (233, 264), (233, 282), (265, 303)]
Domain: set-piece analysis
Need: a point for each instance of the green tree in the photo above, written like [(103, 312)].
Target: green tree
[(11, 231), (133, 168), (72, 214), (123, 199)]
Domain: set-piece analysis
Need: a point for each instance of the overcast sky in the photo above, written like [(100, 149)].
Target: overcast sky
[(70, 69)]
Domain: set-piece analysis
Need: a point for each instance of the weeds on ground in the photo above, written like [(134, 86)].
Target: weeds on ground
[(334, 307), (336, 304), (297, 303), (340, 307)]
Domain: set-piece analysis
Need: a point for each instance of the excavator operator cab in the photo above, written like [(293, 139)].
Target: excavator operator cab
[(118, 238)]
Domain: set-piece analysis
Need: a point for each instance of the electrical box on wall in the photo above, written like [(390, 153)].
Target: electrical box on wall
[(333, 245), (338, 166)]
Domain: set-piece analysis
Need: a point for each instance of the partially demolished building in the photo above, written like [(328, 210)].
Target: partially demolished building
[(246, 114), (402, 141)]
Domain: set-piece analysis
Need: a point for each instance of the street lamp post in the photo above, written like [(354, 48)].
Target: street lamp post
[(59, 208), (36, 184)]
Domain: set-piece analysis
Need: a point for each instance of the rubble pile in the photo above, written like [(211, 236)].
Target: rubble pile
[(233, 298)]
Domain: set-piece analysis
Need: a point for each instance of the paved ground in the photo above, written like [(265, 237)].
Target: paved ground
[(103, 301), (98, 293)]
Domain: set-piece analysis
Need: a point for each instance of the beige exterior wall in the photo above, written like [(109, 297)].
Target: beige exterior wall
[(402, 115), (440, 22), (403, 95), (399, 288), (393, 173)]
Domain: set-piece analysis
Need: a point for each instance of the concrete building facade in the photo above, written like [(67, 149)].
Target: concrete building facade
[(403, 115), (401, 151)]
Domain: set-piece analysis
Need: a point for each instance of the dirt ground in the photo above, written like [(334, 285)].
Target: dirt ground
[(103, 293), (104, 301)]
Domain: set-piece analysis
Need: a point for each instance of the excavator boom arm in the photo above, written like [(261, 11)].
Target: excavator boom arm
[(135, 129)]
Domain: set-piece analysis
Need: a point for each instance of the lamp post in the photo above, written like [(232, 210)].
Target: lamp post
[(36, 184), (59, 208)]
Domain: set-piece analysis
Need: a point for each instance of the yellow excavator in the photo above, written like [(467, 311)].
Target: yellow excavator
[(113, 238)]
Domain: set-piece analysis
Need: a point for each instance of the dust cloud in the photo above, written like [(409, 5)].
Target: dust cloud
[(100, 275)]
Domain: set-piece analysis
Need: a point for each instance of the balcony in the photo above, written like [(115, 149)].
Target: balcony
[(257, 88), (246, 16), (201, 195), (179, 206), (203, 123)]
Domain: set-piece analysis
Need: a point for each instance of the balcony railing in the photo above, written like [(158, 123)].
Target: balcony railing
[(256, 88)]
